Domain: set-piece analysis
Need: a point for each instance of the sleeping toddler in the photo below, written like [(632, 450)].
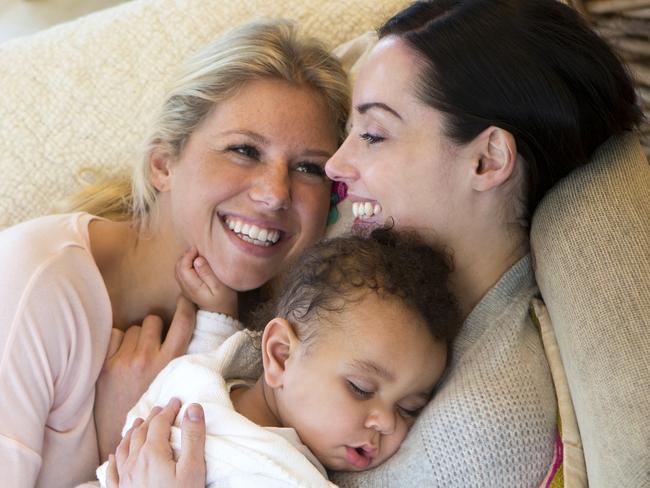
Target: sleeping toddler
[(358, 342)]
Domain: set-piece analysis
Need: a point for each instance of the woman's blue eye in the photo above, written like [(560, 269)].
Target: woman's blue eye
[(371, 138), (311, 168), (245, 150)]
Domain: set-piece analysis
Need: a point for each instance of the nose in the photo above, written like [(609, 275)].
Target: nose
[(340, 167), (383, 420), (272, 187)]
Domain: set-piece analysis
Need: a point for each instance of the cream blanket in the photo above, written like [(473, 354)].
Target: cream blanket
[(238, 453)]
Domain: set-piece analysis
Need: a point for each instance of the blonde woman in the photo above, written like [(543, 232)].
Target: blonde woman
[(235, 171)]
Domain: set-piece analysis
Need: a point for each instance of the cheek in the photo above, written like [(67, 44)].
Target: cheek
[(312, 204), (392, 444)]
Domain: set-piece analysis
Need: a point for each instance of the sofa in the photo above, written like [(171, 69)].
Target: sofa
[(74, 106)]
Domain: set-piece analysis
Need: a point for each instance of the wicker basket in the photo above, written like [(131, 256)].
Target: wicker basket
[(626, 26)]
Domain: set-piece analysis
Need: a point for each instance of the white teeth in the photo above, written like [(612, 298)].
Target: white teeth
[(365, 209), (252, 233)]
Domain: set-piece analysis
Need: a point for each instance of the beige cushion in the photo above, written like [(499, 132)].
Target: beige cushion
[(81, 94), (574, 471), (591, 243)]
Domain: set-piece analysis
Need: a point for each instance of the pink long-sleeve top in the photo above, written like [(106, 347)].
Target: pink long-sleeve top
[(55, 323)]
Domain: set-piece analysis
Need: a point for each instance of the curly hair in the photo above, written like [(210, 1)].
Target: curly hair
[(337, 272)]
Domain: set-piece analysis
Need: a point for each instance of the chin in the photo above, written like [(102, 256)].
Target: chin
[(243, 281)]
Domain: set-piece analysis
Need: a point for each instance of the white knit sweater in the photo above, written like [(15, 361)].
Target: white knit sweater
[(493, 421)]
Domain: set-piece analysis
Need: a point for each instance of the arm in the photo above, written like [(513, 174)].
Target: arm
[(217, 319), (25, 400), (201, 285)]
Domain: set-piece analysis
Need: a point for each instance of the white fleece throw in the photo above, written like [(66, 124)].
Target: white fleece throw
[(238, 452)]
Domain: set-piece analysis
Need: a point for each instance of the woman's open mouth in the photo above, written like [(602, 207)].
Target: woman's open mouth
[(365, 210), (252, 233)]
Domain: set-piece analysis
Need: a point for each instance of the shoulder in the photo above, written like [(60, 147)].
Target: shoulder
[(40, 237), (50, 279)]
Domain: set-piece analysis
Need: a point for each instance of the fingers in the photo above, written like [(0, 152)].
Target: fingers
[(130, 340), (186, 275), (138, 436), (161, 423), (206, 275), (150, 334), (123, 448), (191, 462), (114, 342), (112, 479), (181, 328)]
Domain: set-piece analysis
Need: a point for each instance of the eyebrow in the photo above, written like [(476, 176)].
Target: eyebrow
[(372, 368), (364, 107), (253, 135)]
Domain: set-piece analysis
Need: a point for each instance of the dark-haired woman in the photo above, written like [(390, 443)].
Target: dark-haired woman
[(465, 114)]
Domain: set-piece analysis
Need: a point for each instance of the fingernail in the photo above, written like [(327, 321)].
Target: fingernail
[(198, 262), (174, 402), (194, 413)]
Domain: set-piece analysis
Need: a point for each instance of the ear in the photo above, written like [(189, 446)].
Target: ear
[(279, 341), (496, 157), (160, 168)]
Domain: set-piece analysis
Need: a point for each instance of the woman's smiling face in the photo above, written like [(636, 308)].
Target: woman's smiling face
[(396, 161), (249, 188)]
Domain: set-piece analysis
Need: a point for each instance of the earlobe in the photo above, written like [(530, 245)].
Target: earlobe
[(497, 157), (160, 168), (279, 341)]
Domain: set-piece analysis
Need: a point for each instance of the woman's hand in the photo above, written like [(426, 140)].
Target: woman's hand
[(144, 458), (201, 285), (133, 360)]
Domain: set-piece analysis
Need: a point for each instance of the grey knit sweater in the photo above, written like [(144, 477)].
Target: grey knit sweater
[(493, 421)]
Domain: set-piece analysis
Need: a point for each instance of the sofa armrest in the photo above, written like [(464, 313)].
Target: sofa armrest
[(591, 245)]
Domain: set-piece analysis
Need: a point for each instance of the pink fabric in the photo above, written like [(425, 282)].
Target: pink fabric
[(558, 458), (55, 322)]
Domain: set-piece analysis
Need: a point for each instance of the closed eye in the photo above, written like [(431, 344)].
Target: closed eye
[(361, 393), (409, 413), (371, 138)]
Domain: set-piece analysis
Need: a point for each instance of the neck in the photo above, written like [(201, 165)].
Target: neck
[(481, 261), (138, 271), (257, 404)]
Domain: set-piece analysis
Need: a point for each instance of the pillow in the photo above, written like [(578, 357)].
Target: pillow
[(591, 244), (81, 94), (568, 468)]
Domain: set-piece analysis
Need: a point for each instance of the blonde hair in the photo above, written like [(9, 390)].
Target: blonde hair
[(271, 49)]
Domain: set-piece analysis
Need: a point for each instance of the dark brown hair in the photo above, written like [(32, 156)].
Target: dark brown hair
[(531, 67), (336, 273)]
